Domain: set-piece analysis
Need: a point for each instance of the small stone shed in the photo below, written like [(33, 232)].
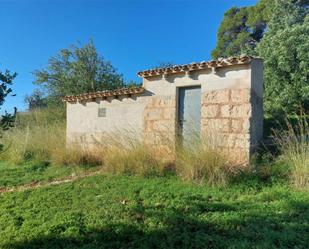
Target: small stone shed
[(222, 97)]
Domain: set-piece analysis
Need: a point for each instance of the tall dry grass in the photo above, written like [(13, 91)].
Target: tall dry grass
[(293, 143), (40, 136), (201, 160), (125, 152), (197, 160)]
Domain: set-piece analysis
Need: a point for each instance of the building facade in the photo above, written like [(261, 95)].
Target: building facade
[(222, 98)]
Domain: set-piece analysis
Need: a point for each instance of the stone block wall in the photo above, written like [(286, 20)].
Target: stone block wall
[(226, 115), (160, 119)]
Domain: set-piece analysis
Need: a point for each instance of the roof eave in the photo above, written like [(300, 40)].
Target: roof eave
[(231, 61), (104, 94)]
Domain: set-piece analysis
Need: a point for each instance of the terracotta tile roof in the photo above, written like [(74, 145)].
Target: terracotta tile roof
[(104, 94), (244, 59)]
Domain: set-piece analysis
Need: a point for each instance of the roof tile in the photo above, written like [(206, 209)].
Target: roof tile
[(221, 62), (104, 94)]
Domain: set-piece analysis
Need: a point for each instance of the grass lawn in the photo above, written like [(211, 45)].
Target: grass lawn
[(15, 175), (134, 212)]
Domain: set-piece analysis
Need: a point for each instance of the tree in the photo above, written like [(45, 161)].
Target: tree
[(77, 70), (276, 31), (7, 120), (36, 100), (241, 29), (285, 49), (286, 13)]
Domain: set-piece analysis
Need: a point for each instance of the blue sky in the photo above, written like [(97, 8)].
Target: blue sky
[(132, 34)]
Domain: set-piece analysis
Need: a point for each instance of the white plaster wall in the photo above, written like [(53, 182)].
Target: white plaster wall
[(232, 77), (122, 115)]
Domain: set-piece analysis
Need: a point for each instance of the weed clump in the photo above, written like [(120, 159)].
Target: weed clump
[(294, 150), (202, 162)]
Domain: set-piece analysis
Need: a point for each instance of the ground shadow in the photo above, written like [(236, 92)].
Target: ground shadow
[(189, 226)]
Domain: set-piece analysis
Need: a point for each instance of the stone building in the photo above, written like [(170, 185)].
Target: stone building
[(222, 97)]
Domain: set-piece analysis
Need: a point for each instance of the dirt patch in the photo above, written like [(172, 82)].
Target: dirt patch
[(37, 184)]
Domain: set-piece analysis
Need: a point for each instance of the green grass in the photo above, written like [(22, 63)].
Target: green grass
[(16, 175), (136, 212)]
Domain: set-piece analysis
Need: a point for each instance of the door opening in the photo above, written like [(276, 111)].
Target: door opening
[(189, 113)]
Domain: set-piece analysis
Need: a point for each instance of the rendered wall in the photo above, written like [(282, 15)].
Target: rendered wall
[(123, 115)]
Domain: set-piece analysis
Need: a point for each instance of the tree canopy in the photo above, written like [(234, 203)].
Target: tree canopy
[(285, 49), (76, 70), (7, 120), (36, 100), (6, 80), (241, 29), (278, 32)]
